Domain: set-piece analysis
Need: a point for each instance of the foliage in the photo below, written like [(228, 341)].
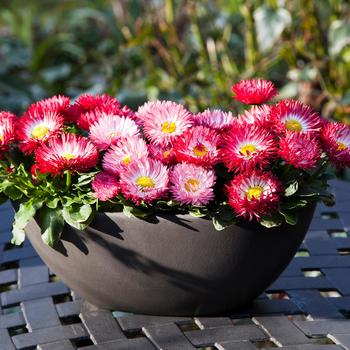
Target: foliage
[(184, 50)]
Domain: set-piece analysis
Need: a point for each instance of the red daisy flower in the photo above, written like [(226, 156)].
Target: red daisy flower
[(254, 91), (36, 127), (335, 139), (69, 152), (247, 148), (292, 115), (105, 186), (7, 130), (91, 107), (300, 150), (254, 194), (198, 145), (88, 102), (59, 104), (257, 115)]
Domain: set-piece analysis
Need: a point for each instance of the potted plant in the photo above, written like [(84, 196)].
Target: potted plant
[(127, 207)]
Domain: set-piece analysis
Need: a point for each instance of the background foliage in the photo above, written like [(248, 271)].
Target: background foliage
[(185, 50)]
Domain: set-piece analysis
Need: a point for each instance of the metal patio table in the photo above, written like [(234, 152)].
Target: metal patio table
[(307, 308)]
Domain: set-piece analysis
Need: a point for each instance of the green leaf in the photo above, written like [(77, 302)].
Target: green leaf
[(197, 214), (78, 216), (13, 193), (24, 214), (225, 217), (136, 211), (18, 235), (127, 211), (5, 184), (51, 223), (271, 221), (52, 203), (269, 25), (338, 36), (293, 204), (290, 217), (291, 188)]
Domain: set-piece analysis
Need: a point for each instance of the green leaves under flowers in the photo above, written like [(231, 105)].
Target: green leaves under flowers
[(138, 212), (199, 212), (291, 188), (313, 193), (293, 204), (78, 216), (26, 212), (224, 217), (272, 221), (51, 223), (290, 216)]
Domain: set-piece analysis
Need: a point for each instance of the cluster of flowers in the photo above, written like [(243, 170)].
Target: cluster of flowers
[(163, 151)]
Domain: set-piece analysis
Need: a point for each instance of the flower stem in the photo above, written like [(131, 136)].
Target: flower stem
[(68, 178)]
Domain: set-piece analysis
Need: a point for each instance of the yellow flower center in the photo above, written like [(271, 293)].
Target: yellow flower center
[(200, 150), (68, 156), (192, 185), (248, 149), (166, 154), (145, 182), (1, 138), (254, 192), (126, 160), (168, 128), (39, 132), (293, 125), (341, 146)]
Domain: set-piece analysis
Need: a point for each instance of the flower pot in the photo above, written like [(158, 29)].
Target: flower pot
[(170, 264)]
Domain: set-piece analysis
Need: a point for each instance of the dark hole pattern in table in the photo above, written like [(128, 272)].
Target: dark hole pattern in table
[(307, 308)]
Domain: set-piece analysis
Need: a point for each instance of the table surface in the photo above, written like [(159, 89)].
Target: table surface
[(307, 308)]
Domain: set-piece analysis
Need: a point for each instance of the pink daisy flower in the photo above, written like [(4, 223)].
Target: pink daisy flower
[(145, 180), (214, 119), (254, 194), (165, 154), (110, 128), (192, 184), (292, 115), (335, 139), (7, 130), (125, 152), (199, 145), (164, 121), (246, 148), (300, 150), (254, 91), (68, 152), (257, 115), (37, 127), (105, 186)]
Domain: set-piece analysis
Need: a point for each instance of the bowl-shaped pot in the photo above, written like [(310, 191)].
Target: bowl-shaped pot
[(172, 264)]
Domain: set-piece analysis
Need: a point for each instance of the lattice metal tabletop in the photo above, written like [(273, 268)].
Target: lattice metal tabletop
[(306, 308)]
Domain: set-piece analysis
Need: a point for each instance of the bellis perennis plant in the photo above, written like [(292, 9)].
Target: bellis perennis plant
[(62, 162)]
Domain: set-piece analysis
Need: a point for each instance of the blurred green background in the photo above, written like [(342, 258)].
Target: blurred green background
[(184, 50)]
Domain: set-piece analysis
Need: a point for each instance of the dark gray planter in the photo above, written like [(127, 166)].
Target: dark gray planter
[(174, 265)]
